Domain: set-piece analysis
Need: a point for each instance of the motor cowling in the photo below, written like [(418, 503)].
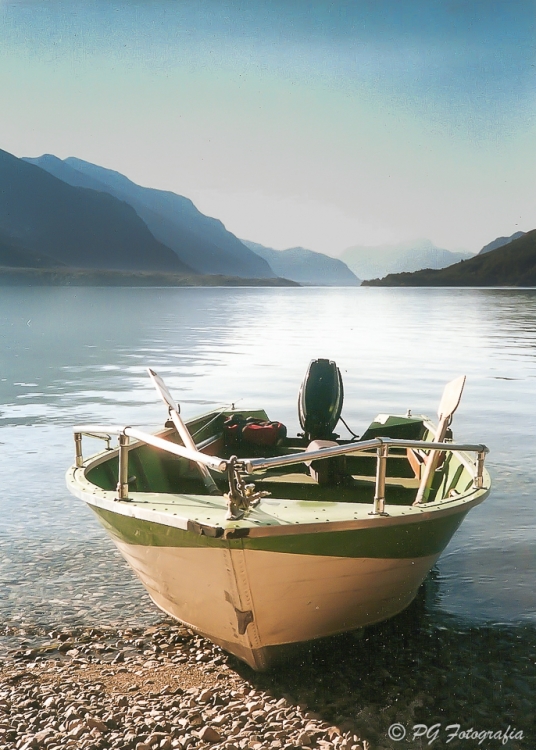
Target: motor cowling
[(320, 400)]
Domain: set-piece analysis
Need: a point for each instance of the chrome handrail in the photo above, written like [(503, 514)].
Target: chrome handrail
[(255, 464), (251, 465), (213, 462)]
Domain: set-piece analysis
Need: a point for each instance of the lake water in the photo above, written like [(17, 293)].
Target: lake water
[(74, 355)]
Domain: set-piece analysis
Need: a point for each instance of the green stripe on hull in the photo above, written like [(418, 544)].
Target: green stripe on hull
[(401, 541), (407, 541)]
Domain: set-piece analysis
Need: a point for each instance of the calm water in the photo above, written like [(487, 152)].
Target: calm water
[(76, 355)]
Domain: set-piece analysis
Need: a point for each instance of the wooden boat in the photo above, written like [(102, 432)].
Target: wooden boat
[(261, 547)]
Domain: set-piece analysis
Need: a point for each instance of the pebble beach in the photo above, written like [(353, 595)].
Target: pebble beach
[(165, 687)]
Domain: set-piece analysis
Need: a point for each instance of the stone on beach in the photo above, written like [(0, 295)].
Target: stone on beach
[(208, 734)]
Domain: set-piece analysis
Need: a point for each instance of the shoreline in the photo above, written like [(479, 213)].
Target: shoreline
[(11, 276)]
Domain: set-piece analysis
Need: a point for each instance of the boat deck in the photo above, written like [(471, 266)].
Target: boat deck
[(181, 510), (168, 489)]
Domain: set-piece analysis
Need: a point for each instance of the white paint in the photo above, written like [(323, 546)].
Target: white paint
[(293, 598)]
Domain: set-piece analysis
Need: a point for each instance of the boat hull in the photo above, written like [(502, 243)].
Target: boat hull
[(256, 602), (292, 599), (309, 560)]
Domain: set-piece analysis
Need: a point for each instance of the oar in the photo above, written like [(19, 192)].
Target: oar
[(449, 403), (181, 428)]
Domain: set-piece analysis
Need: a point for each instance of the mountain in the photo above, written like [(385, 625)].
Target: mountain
[(15, 255), (513, 264), (75, 226), (199, 241), (378, 261), (306, 266), (500, 242)]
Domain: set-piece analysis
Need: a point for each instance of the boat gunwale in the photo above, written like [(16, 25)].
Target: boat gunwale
[(399, 516)]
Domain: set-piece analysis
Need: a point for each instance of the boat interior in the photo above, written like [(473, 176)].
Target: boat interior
[(348, 478), (353, 476)]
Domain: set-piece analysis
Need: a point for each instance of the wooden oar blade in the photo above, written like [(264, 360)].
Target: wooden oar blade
[(451, 398), (181, 428), (163, 390), (449, 403)]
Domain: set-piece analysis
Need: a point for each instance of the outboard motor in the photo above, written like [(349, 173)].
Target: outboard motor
[(320, 400)]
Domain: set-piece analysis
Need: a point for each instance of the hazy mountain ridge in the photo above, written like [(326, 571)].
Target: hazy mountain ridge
[(69, 213), (306, 266), (200, 242), (44, 217), (500, 242), (512, 264), (369, 262)]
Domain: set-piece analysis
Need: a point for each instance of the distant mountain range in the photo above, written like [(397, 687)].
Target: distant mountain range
[(45, 221), (42, 230), (378, 261), (201, 243), (305, 266), (62, 219), (511, 264)]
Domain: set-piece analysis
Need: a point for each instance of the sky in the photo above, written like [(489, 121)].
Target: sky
[(322, 124)]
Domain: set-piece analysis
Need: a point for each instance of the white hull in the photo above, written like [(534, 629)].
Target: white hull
[(251, 602)]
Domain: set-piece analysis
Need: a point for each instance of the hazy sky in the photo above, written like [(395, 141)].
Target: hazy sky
[(322, 124)]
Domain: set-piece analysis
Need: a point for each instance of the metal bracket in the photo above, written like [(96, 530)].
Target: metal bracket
[(241, 496), (382, 453), (122, 484)]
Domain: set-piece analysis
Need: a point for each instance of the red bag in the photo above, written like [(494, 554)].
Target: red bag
[(232, 430), (238, 430), (264, 433)]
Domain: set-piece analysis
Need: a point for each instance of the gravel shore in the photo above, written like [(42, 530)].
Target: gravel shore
[(165, 687), (161, 687)]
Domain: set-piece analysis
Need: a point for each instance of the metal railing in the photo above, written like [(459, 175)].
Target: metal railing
[(244, 466), (105, 433)]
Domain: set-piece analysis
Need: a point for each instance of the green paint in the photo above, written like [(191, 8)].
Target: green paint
[(151, 534), (406, 428), (400, 541)]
